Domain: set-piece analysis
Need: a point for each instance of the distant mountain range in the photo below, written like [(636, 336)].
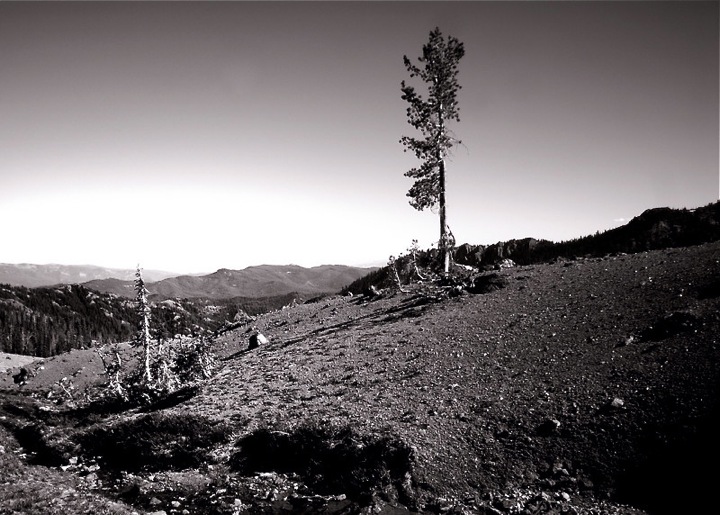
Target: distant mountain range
[(653, 229), (254, 281), (48, 320), (34, 276), (44, 321)]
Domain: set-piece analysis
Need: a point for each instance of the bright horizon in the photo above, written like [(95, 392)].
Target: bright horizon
[(194, 136)]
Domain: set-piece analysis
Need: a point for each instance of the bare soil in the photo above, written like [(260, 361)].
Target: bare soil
[(9, 361), (583, 386)]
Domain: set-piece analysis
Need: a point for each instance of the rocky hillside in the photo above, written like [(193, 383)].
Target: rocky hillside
[(653, 229), (583, 386)]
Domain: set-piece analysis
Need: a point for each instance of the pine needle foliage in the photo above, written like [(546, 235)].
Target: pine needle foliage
[(437, 68)]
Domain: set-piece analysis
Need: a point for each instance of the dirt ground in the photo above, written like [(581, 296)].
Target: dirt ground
[(581, 386), (9, 361)]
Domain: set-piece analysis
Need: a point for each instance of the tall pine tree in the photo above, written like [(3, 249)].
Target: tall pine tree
[(429, 114)]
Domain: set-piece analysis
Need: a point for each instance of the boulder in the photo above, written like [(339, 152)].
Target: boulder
[(504, 263), (256, 340)]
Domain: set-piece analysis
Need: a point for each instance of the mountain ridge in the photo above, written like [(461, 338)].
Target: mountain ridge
[(654, 228), (35, 276), (253, 281)]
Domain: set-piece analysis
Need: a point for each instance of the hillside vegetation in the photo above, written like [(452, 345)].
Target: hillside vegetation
[(49, 321)]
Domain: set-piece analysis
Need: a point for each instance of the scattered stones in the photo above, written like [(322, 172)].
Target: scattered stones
[(626, 341), (92, 480)]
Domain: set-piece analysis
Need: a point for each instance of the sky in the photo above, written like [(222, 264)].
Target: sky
[(192, 136)]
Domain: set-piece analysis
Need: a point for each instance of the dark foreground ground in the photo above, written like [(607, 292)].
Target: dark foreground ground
[(584, 386)]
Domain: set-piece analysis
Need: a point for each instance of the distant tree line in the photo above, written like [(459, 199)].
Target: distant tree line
[(48, 321), (654, 229)]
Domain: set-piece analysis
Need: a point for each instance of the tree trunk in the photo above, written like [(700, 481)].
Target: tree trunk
[(444, 251), (146, 346), (143, 311), (444, 241)]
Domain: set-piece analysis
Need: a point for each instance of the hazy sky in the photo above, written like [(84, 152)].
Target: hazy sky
[(192, 136)]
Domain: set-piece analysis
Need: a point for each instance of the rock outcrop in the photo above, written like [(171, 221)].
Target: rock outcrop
[(520, 251)]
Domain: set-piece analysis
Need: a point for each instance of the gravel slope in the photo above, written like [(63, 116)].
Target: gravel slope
[(584, 386), (555, 383)]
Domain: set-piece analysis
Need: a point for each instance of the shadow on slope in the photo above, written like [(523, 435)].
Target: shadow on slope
[(679, 474), (156, 441), (332, 461), (151, 442)]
